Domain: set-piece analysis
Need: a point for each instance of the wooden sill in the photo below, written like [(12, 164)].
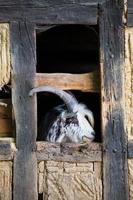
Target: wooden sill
[(69, 152)]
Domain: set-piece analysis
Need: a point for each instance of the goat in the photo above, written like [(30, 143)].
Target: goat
[(72, 122)]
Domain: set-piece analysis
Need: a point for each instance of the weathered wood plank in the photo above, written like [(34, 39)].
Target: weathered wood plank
[(69, 152), (42, 3), (130, 3), (130, 13), (114, 137), (6, 180), (7, 149), (89, 82), (52, 14), (23, 72), (130, 149), (130, 19)]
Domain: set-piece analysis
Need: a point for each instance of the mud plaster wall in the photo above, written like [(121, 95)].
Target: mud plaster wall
[(5, 66), (63, 180), (5, 180)]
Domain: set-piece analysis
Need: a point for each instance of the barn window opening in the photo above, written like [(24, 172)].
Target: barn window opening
[(68, 49), (6, 120), (68, 58)]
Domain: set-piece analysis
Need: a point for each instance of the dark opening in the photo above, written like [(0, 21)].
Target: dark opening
[(68, 49), (40, 196), (7, 123)]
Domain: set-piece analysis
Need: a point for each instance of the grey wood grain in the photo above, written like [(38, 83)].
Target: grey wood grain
[(66, 13), (23, 72), (115, 181)]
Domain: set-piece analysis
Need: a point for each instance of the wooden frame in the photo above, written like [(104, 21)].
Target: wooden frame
[(115, 171), (23, 18), (130, 13), (25, 161)]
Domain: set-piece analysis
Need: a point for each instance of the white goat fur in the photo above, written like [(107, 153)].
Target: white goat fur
[(73, 132)]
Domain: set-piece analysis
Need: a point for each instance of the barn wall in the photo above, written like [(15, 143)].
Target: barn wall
[(5, 180), (129, 82), (129, 99), (63, 180), (4, 55)]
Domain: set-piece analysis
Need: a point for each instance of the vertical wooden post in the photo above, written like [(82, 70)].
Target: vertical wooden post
[(114, 138), (23, 73)]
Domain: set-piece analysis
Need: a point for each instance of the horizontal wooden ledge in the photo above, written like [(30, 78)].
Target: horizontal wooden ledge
[(69, 152), (88, 82), (45, 151), (7, 149)]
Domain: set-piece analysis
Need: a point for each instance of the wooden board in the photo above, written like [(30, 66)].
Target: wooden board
[(41, 3), (5, 180), (115, 181), (23, 72), (7, 149), (130, 13), (89, 82), (51, 13), (63, 180)]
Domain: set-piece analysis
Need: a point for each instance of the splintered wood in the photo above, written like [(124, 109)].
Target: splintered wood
[(63, 180), (129, 82), (4, 55), (5, 180)]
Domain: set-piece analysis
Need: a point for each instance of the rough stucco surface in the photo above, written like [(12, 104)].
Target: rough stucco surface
[(5, 66), (70, 181), (5, 180), (128, 74)]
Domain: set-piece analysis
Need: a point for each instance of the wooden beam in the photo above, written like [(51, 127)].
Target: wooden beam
[(23, 72), (89, 82), (62, 13), (42, 3), (129, 13), (69, 152), (115, 180), (130, 149), (130, 19), (7, 149)]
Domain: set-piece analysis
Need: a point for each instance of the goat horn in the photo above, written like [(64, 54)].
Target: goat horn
[(69, 100)]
